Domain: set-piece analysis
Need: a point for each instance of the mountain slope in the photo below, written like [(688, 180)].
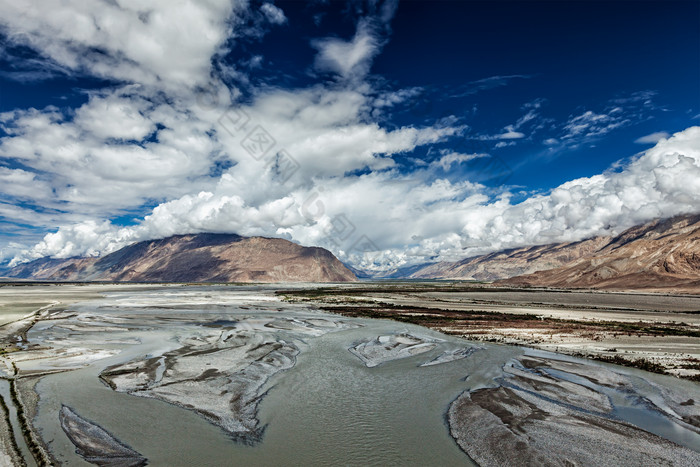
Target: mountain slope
[(512, 262), (663, 254), (659, 255), (44, 268), (197, 258)]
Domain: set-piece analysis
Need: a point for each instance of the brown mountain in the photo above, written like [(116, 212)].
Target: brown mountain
[(196, 258), (662, 255), (509, 263)]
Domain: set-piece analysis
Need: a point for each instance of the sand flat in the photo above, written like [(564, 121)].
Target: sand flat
[(383, 349)]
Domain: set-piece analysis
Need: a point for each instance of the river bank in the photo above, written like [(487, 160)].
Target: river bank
[(653, 332)]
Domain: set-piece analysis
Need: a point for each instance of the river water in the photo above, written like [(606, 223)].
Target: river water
[(329, 409)]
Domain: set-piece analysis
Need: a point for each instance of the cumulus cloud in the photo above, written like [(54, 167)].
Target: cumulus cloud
[(273, 13), (88, 238), (663, 181), (652, 138), (164, 42), (120, 150), (115, 152)]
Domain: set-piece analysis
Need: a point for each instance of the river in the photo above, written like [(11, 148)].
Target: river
[(328, 409)]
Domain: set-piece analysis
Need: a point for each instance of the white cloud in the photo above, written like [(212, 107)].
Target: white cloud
[(89, 163), (164, 42), (20, 183), (416, 219), (531, 119), (510, 133), (664, 181), (115, 116), (348, 58), (448, 159), (273, 13), (351, 59), (154, 142), (652, 138), (93, 176), (391, 98), (87, 238), (590, 124)]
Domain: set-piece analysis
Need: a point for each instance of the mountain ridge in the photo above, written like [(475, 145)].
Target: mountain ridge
[(662, 255), (509, 262), (196, 258)]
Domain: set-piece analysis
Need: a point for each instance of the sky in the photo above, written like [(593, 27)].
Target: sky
[(391, 133)]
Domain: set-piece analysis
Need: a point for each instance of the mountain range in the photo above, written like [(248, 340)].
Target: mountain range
[(196, 258), (661, 255)]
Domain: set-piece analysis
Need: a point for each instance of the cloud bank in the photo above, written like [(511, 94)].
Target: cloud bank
[(414, 220)]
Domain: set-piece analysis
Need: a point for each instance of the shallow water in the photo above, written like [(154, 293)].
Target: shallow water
[(328, 409), (17, 431)]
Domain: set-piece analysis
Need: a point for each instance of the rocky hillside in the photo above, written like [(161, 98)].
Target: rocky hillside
[(660, 255), (196, 258), (509, 263)]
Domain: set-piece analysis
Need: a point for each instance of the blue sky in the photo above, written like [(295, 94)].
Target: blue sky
[(401, 132)]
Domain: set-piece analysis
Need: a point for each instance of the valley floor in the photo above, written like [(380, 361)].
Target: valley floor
[(176, 374)]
